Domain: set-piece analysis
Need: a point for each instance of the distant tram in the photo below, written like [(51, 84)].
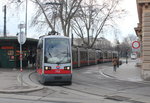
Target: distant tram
[(54, 63)]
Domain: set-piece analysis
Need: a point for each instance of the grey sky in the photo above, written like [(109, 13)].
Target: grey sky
[(126, 25)]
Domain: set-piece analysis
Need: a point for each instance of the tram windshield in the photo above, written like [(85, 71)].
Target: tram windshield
[(57, 51)]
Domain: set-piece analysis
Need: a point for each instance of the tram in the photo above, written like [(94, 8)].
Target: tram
[(53, 61)]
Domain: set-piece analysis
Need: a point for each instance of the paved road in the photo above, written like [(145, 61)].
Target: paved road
[(6, 100), (89, 84)]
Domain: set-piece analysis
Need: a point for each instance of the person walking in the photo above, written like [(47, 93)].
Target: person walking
[(114, 61), (118, 62)]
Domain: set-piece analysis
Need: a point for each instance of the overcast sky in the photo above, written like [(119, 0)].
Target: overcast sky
[(129, 22), (126, 25)]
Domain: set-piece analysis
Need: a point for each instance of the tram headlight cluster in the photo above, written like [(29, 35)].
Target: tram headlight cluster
[(47, 68), (67, 68)]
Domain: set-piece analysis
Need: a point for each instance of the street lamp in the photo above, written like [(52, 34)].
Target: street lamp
[(4, 20), (126, 56), (26, 18), (118, 49)]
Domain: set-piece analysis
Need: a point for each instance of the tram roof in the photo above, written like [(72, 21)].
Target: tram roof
[(53, 36)]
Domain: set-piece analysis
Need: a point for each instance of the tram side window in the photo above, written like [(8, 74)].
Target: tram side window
[(75, 55), (83, 55), (101, 55), (92, 55), (105, 55)]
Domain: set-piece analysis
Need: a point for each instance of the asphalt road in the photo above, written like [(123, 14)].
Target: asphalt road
[(6, 100), (89, 84)]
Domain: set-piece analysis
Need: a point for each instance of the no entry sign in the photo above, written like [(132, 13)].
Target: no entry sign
[(135, 44)]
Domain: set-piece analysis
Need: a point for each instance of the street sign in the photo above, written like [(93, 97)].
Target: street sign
[(21, 38), (21, 26), (135, 44)]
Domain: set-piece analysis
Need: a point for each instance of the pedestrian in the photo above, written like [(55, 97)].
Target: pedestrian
[(114, 62), (33, 59), (30, 58), (118, 62)]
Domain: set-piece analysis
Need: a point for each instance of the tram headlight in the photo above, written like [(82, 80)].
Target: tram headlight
[(67, 68), (47, 68)]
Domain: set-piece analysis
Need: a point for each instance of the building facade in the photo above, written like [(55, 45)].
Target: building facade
[(10, 51), (143, 32)]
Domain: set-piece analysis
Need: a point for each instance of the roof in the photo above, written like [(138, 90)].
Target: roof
[(14, 38), (53, 36)]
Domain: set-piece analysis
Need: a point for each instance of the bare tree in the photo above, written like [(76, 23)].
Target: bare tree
[(126, 45), (92, 18), (64, 13), (131, 38), (89, 18), (48, 13)]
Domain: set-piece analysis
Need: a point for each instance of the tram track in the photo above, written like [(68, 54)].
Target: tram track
[(68, 89), (85, 88), (76, 90)]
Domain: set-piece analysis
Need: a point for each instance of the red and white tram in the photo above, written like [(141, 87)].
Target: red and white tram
[(54, 63)]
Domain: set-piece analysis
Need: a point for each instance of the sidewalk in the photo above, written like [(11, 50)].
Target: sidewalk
[(127, 72), (11, 81)]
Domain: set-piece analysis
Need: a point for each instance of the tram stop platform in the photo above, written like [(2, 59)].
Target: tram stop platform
[(130, 71), (11, 81)]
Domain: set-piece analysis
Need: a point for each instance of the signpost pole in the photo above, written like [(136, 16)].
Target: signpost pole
[(21, 40), (21, 58), (21, 64)]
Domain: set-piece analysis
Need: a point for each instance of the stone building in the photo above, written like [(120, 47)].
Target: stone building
[(143, 32)]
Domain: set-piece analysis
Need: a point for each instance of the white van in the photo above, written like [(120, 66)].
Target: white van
[(133, 56)]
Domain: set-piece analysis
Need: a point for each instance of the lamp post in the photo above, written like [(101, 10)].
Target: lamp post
[(118, 50), (26, 14), (126, 56), (4, 20)]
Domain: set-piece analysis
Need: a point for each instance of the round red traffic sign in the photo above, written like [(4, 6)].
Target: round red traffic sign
[(136, 44)]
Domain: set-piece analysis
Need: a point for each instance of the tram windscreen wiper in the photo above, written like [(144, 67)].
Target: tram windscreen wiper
[(49, 52)]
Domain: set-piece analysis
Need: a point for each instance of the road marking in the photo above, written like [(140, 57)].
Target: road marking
[(18, 79), (88, 72), (105, 75)]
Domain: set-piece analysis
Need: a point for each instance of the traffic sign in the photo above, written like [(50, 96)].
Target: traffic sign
[(21, 38), (135, 44), (21, 26)]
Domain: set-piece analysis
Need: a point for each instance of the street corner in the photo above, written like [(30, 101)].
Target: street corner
[(27, 85), (11, 82), (19, 89)]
